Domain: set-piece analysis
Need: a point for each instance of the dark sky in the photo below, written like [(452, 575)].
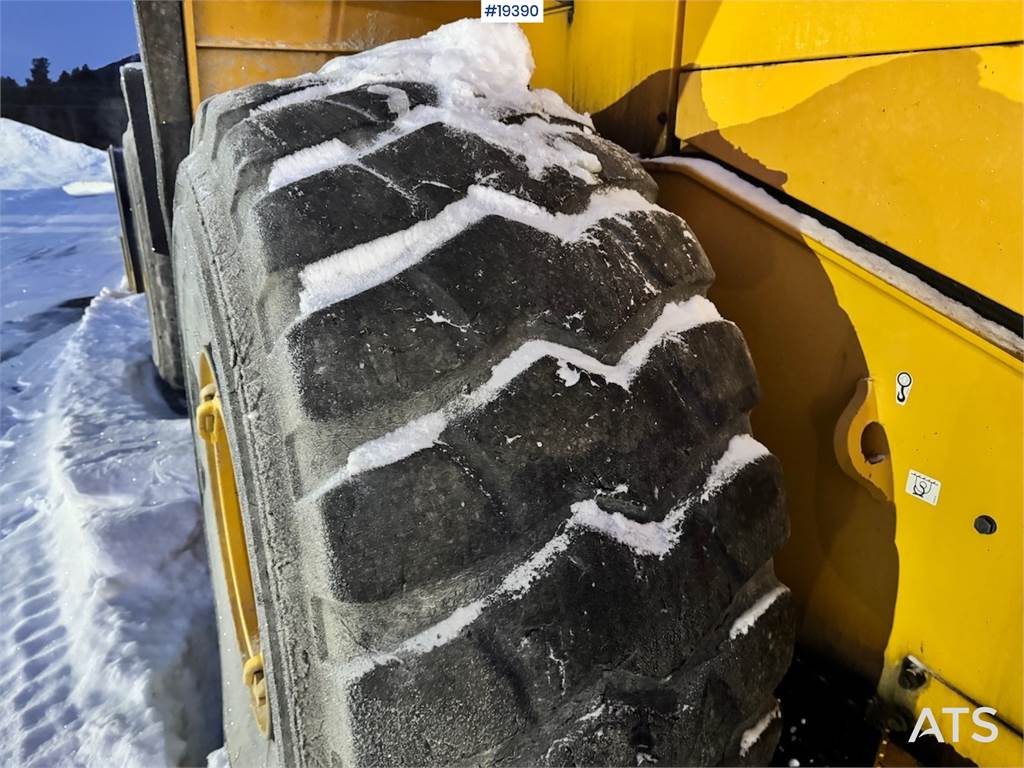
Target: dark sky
[(68, 32)]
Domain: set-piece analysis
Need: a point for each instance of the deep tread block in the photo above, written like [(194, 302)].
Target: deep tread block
[(523, 657), (502, 479), (235, 124), (326, 213), (381, 345)]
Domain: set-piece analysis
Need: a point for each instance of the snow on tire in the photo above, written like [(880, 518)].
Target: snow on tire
[(491, 439)]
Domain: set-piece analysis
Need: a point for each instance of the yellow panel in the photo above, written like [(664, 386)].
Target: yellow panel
[(608, 49), (817, 324), (730, 32), (343, 26), (222, 70), (620, 55), (549, 42), (922, 152), (618, 60), (232, 43)]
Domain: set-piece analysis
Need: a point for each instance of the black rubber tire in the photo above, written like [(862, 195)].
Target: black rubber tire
[(150, 238), (608, 656), (125, 215)]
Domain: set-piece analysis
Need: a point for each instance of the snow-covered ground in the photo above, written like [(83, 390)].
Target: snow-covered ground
[(107, 641)]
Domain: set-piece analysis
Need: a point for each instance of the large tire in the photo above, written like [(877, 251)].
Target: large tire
[(555, 563), (150, 235)]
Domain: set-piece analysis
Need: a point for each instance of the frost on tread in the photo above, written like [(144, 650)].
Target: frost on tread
[(503, 504)]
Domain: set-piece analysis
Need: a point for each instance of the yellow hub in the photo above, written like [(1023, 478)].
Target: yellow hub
[(223, 493)]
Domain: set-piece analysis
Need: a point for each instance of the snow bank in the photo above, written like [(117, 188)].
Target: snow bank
[(33, 159), (108, 643), (57, 252), (110, 653)]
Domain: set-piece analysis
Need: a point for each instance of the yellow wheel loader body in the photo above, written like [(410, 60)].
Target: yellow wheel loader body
[(855, 176)]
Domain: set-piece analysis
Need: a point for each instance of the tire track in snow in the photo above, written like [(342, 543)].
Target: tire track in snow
[(36, 678)]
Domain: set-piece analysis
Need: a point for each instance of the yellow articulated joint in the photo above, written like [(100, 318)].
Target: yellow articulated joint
[(223, 494), (861, 446)]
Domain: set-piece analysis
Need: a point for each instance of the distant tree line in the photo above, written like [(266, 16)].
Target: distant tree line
[(82, 105)]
